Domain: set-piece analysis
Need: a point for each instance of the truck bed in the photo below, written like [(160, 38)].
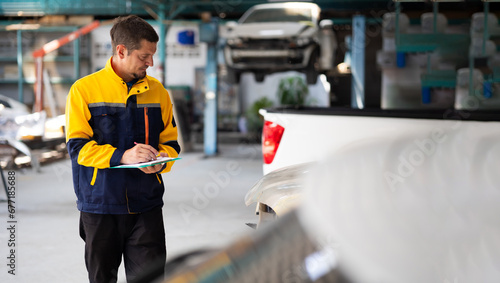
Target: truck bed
[(312, 132)]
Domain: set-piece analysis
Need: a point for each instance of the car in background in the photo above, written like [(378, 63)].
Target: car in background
[(10, 107), (276, 37), (22, 131)]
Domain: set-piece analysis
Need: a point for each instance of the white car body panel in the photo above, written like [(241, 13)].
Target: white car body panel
[(309, 138), (397, 211)]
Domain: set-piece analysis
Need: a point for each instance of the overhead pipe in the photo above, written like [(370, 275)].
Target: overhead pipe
[(49, 47)]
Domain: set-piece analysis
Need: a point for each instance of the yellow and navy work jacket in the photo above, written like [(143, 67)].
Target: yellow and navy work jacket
[(104, 118)]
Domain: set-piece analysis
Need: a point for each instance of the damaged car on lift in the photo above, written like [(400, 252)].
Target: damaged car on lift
[(277, 37)]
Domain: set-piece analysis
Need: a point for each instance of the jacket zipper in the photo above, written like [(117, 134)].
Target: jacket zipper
[(128, 205), (126, 197), (146, 121)]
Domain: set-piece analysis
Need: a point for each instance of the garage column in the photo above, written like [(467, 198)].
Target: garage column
[(161, 44), (209, 34), (358, 62)]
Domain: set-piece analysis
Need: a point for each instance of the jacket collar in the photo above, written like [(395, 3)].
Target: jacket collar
[(109, 69), (141, 86)]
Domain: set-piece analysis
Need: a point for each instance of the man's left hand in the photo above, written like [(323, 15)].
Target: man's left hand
[(154, 168)]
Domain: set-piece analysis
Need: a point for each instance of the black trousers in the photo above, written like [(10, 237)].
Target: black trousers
[(140, 238)]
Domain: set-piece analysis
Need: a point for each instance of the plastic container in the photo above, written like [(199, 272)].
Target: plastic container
[(477, 23), (389, 24), (186, 37), (427, 23)]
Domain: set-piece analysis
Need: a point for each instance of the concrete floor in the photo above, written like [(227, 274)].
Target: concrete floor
[(204, 208)]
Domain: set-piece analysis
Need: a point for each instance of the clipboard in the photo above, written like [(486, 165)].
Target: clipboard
[(159, 160)]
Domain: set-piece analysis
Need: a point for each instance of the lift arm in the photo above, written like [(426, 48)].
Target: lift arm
[(49, 47)]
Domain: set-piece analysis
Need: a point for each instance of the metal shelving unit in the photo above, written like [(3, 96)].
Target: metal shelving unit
[(447, 43), (23, 56)]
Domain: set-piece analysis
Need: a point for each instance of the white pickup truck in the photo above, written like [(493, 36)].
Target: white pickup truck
[(276, 37), (293, 136), (293, 139), (388, 183)]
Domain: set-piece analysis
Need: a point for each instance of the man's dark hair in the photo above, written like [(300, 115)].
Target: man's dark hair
[(130, 31)]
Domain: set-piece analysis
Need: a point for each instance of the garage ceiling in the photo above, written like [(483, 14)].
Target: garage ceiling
[(175, 9)]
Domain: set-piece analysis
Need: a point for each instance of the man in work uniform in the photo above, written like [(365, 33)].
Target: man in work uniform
[(120, 115)]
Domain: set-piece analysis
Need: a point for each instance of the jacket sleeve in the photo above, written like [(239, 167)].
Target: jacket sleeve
[(79, 135), (168, 137)]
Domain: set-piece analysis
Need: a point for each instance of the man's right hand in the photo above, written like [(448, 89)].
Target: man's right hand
[(139, 153)]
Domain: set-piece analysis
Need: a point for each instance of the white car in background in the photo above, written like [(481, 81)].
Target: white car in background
[(276, 37), (22, 131)]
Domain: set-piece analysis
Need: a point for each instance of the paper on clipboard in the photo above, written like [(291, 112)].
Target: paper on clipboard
[(159, 160)]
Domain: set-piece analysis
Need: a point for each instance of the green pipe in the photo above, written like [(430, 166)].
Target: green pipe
[(163, 69), (76, 58), (398, 11), (20, 66), (434, 30), (436, 11), (485, 31), (471, 71)]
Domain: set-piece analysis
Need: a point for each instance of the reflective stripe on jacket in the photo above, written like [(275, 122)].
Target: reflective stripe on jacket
[(103, 120)]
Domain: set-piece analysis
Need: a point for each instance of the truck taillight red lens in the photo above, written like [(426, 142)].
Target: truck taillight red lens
[(271, 137)]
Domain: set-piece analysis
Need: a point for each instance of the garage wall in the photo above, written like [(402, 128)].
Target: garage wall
[(181, 59)]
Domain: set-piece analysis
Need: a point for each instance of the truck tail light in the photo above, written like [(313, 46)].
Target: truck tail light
[(271, 137)]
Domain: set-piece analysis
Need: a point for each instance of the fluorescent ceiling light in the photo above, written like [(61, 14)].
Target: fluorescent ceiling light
[(22, 26)]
